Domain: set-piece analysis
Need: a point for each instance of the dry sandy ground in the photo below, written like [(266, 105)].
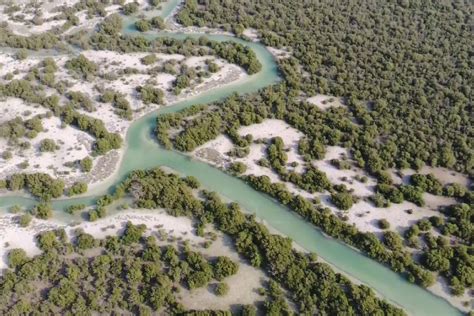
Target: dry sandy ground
[(278, 53), (363, 215), (242, 286), (179, 227), (445, 176), (112, 62), (45, 10), (48, 11), (325, 101), (265, 130), (252, 34), (75, 144)]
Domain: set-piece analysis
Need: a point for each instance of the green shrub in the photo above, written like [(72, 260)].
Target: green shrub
[(25, 220), (42, 211), (384, 224), (86, 164), (222, 289), (237, 168), (130, 8), (143, 25), (48, 145), (342, 200)]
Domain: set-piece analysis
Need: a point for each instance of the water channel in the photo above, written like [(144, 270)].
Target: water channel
[(143, 152)]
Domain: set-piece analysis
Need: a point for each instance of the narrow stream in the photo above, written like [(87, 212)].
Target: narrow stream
[(143, 152)]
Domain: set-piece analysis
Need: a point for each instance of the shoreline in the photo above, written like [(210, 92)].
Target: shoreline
[(221, 144), (114, 169), (116, 166), (437, 289), (106, 167)]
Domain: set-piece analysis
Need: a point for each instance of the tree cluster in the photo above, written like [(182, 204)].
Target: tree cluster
[(126, 273), (390, 61), (300, 275), (40, 185)]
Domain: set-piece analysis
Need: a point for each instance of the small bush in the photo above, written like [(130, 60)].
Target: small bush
[(384, 224), (222, 289)]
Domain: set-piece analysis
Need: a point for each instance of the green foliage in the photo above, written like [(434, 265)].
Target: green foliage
[(312, 180), (189, 139), (341, 164), (48, 145), (212, 66), (249, 310), (253, 241), (412, 194), (22, 54), (454, 190), (427, 183), (85, 241), (133, 233), (143, 25), (111, 25), (42, 211), (86, 164), (149, 59), (40, 185), (335, 227), (45, 40), (7, 155), (392, 240), (130, 8), (72, 209), (79, 100), (237, 167), (149, 94), (222, 289), (232, 52), (192, 182), (342, 200), (276, 153), (155, 3), (15, 209), (107, 143), (25, 220), (383, 224), (17, 128), (16, 258), (89, 276), (435, 261), (224, 267), (77, 188), (389, 192), (408, 122), (158, 23), (82, 66), (460, 221)]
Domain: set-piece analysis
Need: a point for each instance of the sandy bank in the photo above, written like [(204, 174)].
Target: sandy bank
[(10, 230), (74, 144)]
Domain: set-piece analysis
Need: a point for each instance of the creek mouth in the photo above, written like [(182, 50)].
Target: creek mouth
[(141, 151)]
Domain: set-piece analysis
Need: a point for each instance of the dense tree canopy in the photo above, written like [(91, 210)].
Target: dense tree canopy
[(296, 272), (127, 273), (408, 59)]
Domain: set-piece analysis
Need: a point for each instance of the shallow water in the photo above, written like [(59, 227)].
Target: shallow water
[(142, 152)]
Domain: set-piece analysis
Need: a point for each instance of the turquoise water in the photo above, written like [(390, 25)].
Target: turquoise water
[(142, 152)]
